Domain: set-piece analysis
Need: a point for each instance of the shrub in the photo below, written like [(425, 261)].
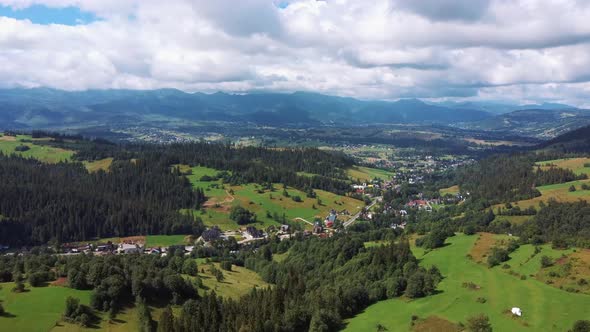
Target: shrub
[(497, 256), (581, 326), (546, 261), (297, 199), (226, 265), (479, 323), (572, 188), (481, 300)]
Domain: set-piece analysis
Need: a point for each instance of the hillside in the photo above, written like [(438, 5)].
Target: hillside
[(575, 141), (540, 123)]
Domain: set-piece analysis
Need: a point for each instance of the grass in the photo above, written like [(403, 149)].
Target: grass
[(453, 190), (95, 166), (43, 153), (125, 321), (366, 174), (544, 308), (240, 281), (575, 164), (165, 240), (220, 200), (559, 192), (36, 310)]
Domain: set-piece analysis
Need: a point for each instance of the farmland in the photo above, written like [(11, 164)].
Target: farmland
[(44, 153), (366, 174), (544, 307)]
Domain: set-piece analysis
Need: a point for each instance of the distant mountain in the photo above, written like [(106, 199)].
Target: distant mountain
[(574, 141), (501, 107), (540, 123), (49, 108)]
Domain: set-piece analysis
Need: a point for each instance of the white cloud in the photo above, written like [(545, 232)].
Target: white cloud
[(383, 49)]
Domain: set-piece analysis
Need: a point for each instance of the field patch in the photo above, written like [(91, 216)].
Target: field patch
[(453, 190), (559, 192), (367, 174), (434, 324), (240, 281), (97, 165), (545, 308), (574, 164), (37, 309), (43, 153), (484, 244), (569, 272), (165, 241)]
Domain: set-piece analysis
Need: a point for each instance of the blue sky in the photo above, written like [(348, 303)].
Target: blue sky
[(40, 14)]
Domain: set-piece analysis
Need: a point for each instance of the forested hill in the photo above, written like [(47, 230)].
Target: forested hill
[(142, 192), (574, 141)]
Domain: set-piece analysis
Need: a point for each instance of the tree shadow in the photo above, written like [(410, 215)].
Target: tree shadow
[(7, 315)]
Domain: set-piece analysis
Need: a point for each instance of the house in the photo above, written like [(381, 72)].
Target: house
[(254, 232), (420, 204), (317, 228), (129, 248), (285, 228)]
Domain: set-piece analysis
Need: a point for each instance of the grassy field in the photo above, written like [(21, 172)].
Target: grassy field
[(366, 174), (125, 321), (220, 200), (560, 192), (575, 164), (236, 283), (43, 153), (95, 166), (36, 310), (165, 240), (545, 308), (453, 190)]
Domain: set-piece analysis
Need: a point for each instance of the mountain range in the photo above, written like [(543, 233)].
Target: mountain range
[(49, 108)]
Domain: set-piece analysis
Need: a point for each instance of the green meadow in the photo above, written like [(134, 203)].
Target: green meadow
[(545, 308), (366, 174), (237, 282), (37, 309), (43, 153), (265, 203), (164, 240)]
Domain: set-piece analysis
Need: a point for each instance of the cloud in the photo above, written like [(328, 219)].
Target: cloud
[(387, 49), (447, 10)]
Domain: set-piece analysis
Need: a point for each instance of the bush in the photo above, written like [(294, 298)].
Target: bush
[(481, 300), (581, 326), (22, 148), (546, 261), (297, 199), (572, 188), (242, 216), (479, 323), (226, 265), (585, 186), (2, 311), (497, 256)]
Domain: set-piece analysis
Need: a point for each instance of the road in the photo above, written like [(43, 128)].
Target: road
[(356, 216)]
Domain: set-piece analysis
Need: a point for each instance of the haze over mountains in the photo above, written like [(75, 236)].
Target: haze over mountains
[(50, 108)]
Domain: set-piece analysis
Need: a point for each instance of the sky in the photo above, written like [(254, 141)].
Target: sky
[(514, 50)]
